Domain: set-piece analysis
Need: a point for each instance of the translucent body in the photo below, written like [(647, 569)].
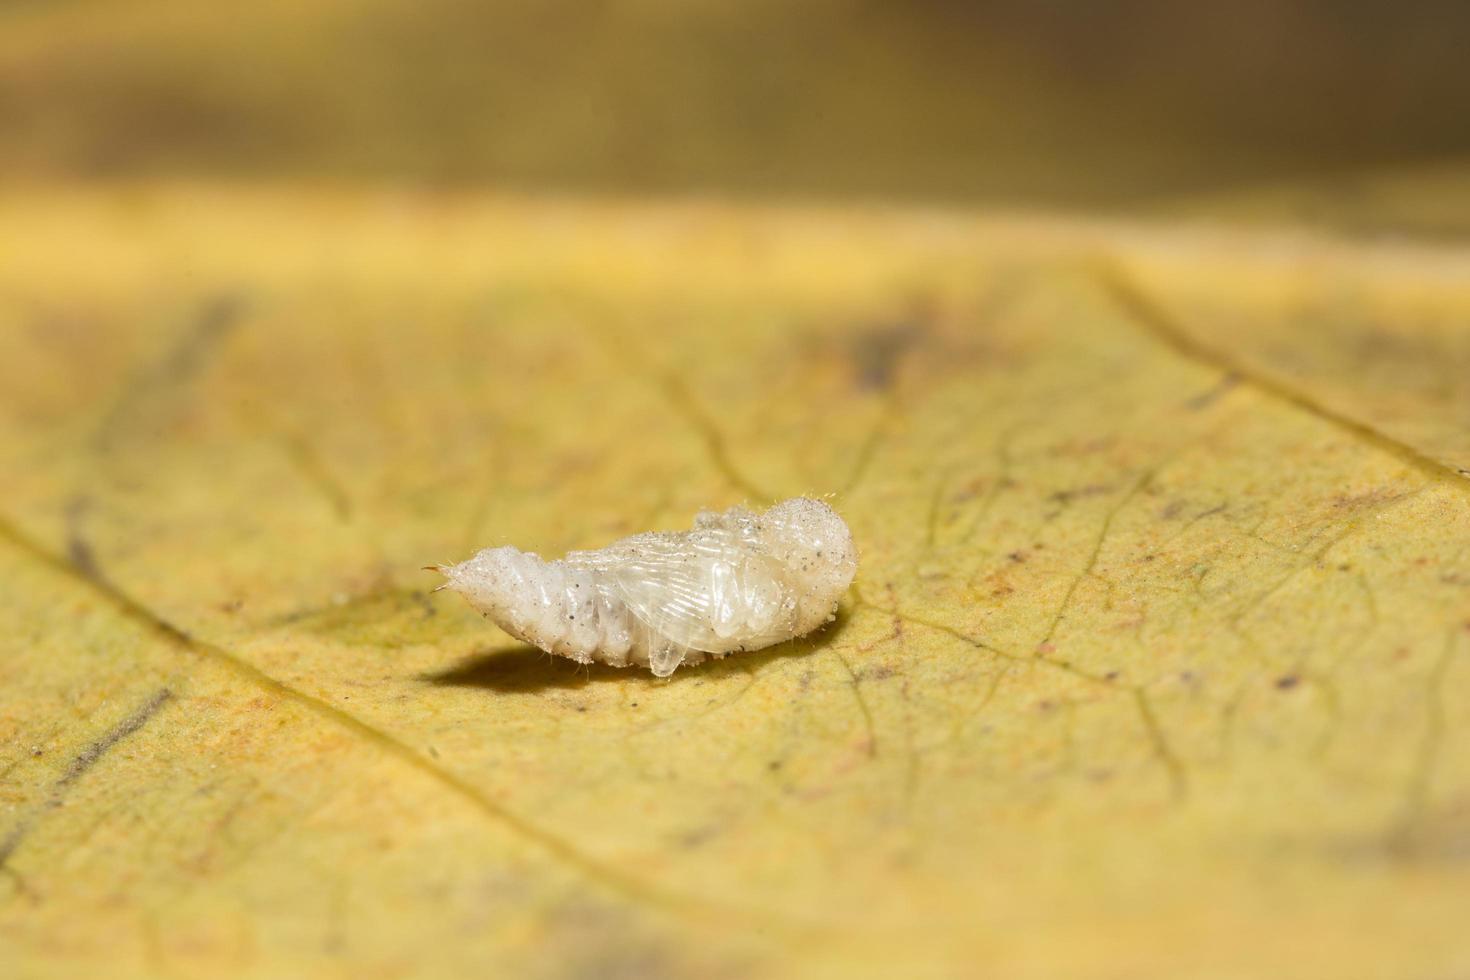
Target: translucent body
[(739, 580)]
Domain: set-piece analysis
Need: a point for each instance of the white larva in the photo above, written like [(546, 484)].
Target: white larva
[(739, 580)]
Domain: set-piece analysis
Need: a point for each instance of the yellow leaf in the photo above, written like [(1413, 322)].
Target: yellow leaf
[(1157, 662)]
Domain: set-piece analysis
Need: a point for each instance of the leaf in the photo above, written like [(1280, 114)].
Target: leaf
[(1157, 664)]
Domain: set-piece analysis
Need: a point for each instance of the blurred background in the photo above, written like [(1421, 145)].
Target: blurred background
[(1027, 102)]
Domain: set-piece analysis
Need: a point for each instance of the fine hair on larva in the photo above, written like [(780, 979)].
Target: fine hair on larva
[(738, 580)]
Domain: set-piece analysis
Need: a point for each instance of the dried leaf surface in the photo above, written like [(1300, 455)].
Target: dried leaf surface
[(1158, 662)]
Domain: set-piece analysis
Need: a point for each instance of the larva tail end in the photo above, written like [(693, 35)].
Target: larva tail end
[(442, 570)]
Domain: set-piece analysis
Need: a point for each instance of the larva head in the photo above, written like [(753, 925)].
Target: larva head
[(809, 539)]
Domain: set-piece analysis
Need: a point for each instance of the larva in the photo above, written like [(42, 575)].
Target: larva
[(739, 580)]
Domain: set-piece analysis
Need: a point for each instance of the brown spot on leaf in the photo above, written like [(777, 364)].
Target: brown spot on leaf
[(877, 354)]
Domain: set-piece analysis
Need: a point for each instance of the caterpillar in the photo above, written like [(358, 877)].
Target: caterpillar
[(738, 580)]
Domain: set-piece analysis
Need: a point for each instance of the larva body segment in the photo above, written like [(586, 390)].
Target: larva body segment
[(738, 580)]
